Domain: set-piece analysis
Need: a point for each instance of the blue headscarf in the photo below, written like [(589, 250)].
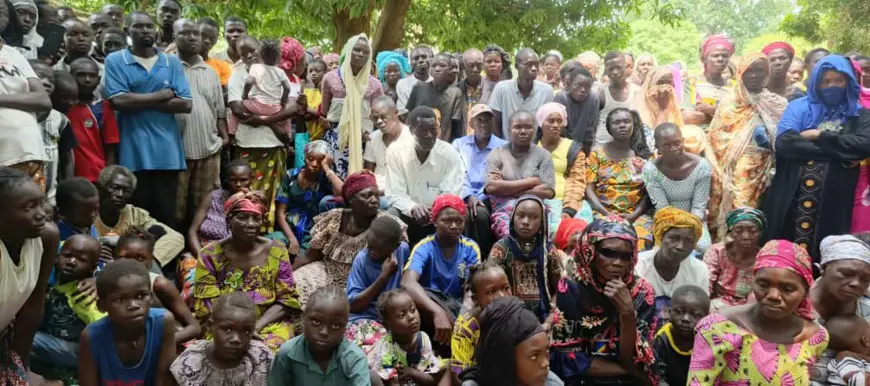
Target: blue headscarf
[(810, 111), (386, 58)]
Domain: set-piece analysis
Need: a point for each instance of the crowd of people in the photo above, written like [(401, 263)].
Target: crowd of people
[(273, 214)]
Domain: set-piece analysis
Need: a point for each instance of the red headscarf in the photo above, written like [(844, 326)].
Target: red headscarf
[(777, 45), (785, 254), (292, 53), (356, 183), (447, 201), (567, 228), (250, 201), (714, 40)]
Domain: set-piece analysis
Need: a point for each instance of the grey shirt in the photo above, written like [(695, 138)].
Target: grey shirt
[(507, 99), (582, 117), (535, 163), (450, 104)]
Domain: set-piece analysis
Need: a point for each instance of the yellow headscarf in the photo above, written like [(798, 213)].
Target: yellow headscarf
[(670, 217), (350, 125)]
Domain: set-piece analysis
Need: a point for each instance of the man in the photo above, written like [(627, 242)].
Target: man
[(780, 55), (234, 28), (204, 130), (390, 131), (629, 67), (420, 170), (78, 40), (618, 93), (523, 93), (473, 150), (209, 30), (98, 22), (116, 13), (420, 57), (581, 103), (168, 11), (442, 95), (472, 85), (147, 88)]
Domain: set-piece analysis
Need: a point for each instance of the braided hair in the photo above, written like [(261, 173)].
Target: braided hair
[(638, 137)]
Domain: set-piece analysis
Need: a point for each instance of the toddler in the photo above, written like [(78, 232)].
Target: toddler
[(673, 343), (267, 87), (850, 337)]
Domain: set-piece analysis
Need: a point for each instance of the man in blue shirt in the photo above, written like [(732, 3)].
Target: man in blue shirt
[(147, 88), (473, 149)]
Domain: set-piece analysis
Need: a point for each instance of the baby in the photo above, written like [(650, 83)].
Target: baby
[(267, 87), (850, 338)]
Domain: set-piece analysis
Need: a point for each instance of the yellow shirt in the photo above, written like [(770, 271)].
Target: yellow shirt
[(560, 166)]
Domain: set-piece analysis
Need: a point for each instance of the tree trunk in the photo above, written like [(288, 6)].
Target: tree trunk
[(391, 25), (347, 26)]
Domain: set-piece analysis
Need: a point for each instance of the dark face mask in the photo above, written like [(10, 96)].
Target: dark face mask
[(833, 96)]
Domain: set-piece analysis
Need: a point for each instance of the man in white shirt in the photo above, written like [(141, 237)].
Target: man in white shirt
[(419, 171), (389, 131), (420, 57)]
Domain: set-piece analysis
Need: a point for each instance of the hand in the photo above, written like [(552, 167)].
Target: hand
[(327, 163), (390, 267), (811, 134), (400, 371), (473, 202), (167, 93), (366, 137), (87, 290), (443, 327), (631, 218), (302, 102), (292, 245), (495, 175), (420, 214), (705, 108), (617, 292)]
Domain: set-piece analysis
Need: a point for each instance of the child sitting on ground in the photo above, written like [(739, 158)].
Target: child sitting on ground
[(673, 343), (134, 344), (404, 356), (321, 355), (850, 338), (267, 88), (137, 244), (233, 358), (375, 270)]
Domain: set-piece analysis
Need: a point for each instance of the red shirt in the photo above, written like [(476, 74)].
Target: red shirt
[(94, 126)]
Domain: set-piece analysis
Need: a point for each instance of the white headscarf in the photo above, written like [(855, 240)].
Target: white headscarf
[(350, 127), (32, 39), (843, 247)]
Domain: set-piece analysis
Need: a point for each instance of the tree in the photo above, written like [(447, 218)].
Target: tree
[(843, 24), (741, 20), (667, 44), (801, 45)]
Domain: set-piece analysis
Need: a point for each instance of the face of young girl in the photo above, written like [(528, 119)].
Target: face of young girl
[(315, 73), (238, 179), (129, 302), (533, 360), (23, 210), (136, 250), (232, 329), (402, 318), (323, 325), (528, 219), (489, 285)]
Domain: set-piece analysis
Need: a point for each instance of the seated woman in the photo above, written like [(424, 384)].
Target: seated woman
[(614, 184), (339, 235), (515, 169), (819, 143), (210, 223), (730, 262), (251, 264), (532, 263), (772, 341), (303, 194), (569, 163), (602, 305), (678, 178)]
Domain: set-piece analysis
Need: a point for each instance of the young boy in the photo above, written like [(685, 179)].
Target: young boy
[(93, 123), (674, 341), (57, 139), (113, 39), (78, 202), (134, 345), (850, 338)]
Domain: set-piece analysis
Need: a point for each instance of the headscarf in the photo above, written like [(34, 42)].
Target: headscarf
[(777, 45), (671, 217), (604, 228), (331, 57), (568, 227), (716, 40), (504, 324), (556, 54), (590, 57), (648, 107), (250, 201), (550, 108), (864, 97), (445, 201), (350, 125), (809, 112), (788, 255), (32, 39), (356, 183), (843, 247), (538, 253), (385, 58), (505, 59), (292, 53), (752, 215)]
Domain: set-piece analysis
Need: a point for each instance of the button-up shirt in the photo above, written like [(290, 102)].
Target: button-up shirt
[(507, 99), (294, 366), (411, 182), (474, 161), (199, 128)]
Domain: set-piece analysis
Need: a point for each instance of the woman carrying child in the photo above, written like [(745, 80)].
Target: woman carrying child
[(267, 89)]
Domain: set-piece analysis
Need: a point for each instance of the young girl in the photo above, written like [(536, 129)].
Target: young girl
[(321, 356), (135, 344), (267, 87), (316, 123), (486, 283), (233, 358), (404, 356), (137, 244)]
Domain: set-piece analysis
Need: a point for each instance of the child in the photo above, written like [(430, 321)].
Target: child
[(135, 344), (93, 123), (56, 343), (404, 356), (486, 283), (267, 87), (233, 358), (674, 341), (78, 202), (58, 143), (850, 338), (316, 123), (321, 356), (137, 244), (375, 270)]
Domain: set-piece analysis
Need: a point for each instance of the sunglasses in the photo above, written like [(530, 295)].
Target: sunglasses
[(613, 254)]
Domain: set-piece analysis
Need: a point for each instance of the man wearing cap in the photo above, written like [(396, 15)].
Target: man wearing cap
[(473, 149)]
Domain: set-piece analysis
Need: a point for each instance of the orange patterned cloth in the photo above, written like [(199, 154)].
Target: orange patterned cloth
[(34, 169)]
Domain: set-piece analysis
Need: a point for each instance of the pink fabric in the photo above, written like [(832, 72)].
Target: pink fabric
[(861, 205), (777, 45), (864, 97), (677, 74), (550, 108), (713, 41), (257, 108), (788, 255)]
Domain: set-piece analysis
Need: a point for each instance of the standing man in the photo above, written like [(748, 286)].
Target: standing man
[(114, 12), (209, 30), (98, 22), (581, 103), (204, 130), (442, 95), (618, 93), (472, 85), (168, 11), (780, 55), (420, 57), (523, 93), (78, 40), (234, 28), (147, 88)]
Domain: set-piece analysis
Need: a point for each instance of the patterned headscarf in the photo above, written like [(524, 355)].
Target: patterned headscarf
[(845, 247), (331, 57), (445, 201), (670, 217), (250, 201), (752, 215), (356, 183), (648, 107), (777, 45), (292, 53), (714, 40), (385, 58), (611, 227), (788, 255)]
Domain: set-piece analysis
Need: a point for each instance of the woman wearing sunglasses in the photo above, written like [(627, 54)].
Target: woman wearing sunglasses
[(600, 306)]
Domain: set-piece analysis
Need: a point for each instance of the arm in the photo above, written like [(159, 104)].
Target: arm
[(167, 352), (34, 101), (642, 208), (89, 374), (182, 101), (575, 186), (67, 159), (511, 188), (283, 225), (542, 191), (249, 84), (175, 106), (285, 94), (311, 255), (547, 173), (325, 98), (591, 185), (368, 165), (791, 145), (410, 283), (334, 180), (701, 195), (422, 378), (171, 299), (592, 199), (397, 186), (275, 313), (848, 147), (29, 316), (130, 101), (654, 188), (193, 244), (358, 293)]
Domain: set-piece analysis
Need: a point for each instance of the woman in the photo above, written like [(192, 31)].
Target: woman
[(27, 14), (569, 162), (741, 142), (600, 306), (678, 178), (861, 206), (773, 341), (392, 67), (642, 67), (550, 65), (496, 68), (338, 235), (302, 195), (614, 183), (533, 265), (730, 262), (591, 62), (659, 105), (251, 264), (348, 93), (701, 95), (820, 141)]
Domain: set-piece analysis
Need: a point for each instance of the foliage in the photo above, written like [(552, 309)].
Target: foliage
[(741, 20), (801, 45), (666, 43), (844, 24)]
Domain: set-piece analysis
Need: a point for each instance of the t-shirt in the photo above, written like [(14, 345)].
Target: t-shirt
[(507, 99), (94, 127), (270, 84), (691, 272), (111, 370), (671, 364), (65, 316), (223, 69), (20, 136), (364, 272), (403, 91), (839, 370), (440, 273), (582, 117), (376, 152), (535, 163), (294, 366), (57, 139), (449, 103)]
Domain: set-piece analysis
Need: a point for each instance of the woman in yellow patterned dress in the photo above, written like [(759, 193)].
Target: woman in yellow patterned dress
[(741, 142)]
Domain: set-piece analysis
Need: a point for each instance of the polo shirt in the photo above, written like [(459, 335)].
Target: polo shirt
[(364, 272), (439, 273), (199, 128), (294, 366), (94, 126), (507, 99), (474, 160), (410, 182), (150, 139)]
